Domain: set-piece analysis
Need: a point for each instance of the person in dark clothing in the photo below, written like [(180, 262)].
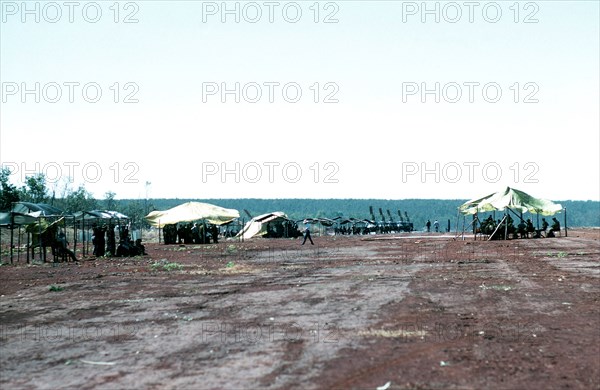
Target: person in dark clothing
[(99, 240), (214, 231), (428, 226), (307, 234), (555, 227), (62, 246), (530, 228), (544, 225), (140, 248), (111, 243)]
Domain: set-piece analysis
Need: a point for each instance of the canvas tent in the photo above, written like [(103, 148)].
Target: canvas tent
[(44, 210), (98, 215), (192, 211), (510, 199), (257, 226), (513, 199), (11, 219), (32, 216)]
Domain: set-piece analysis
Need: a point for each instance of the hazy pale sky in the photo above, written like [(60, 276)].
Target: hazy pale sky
[(276, 99)]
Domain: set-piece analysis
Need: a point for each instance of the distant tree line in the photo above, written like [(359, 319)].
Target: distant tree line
[(580, 213), (63, 196), (71, 200)]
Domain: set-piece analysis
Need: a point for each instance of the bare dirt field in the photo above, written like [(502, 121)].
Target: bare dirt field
[(407, 311)]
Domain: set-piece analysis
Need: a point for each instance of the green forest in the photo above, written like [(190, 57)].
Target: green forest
[(580, 213), (71, 200)]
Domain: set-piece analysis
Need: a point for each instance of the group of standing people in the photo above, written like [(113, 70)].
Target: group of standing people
[(188, 233), (436, 226), (105, 244)]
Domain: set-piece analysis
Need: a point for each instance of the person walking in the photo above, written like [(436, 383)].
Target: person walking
[(307, 233)]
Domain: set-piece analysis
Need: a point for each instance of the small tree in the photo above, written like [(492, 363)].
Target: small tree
[(8, 192), (109, 201), (80, 200), (35, 189)]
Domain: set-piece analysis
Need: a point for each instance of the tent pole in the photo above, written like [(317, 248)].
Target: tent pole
[(506, 226), (497, 227), (566, 222), (83, 234), (19, 245), (28, 243), (41, 242), (12, 227), (74, 234), (457, 220)]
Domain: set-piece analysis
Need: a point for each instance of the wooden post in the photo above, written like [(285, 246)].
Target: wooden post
[(18, 245), (497, 227), (457, 221), (28, 243), (84, 242), (41, 242), (74, 235), (566, 222), (12, 228)]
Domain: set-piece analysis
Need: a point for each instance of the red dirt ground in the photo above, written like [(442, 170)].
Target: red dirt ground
[(417, 311)]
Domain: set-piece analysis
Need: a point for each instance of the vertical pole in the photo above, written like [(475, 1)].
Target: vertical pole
[(19, 245), (28, 243), (457, 221), (12, 228), (506, 225), (83, 243), (41, 242), (74, 234), (566, 222)]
